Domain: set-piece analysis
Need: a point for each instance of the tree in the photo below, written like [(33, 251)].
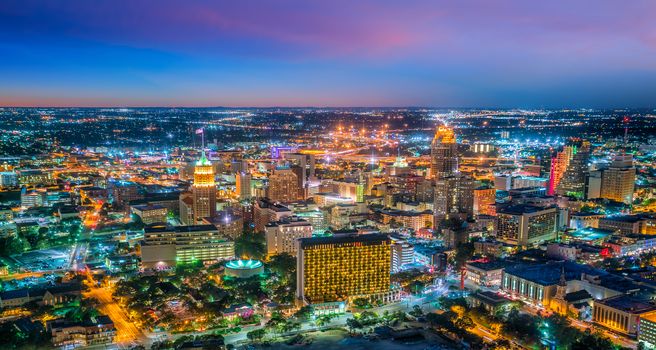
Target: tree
[(304, 312), (283, 264), (464, 322), (250, 245), (256, 335), (353, 324), (593, 341), (464, 253), (416, 311), (361, 303)]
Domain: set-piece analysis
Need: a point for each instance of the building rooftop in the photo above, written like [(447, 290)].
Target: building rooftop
[(143, 207), (589, 234), (268, 203), (346, 238), (491, 298), (549, 274), (623, 218), (521, 209), (488, 266), (289, 221), (628, 304)]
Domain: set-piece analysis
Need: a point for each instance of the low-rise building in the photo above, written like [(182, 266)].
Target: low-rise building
[(485, 274), (621, 313), (625, 225), (93, 331), (150, 213)]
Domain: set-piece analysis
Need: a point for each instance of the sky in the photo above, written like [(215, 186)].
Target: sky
[(433, 53)]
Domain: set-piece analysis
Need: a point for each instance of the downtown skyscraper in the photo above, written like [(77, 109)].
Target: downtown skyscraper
[(203, 190)]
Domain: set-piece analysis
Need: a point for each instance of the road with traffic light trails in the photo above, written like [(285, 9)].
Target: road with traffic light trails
[(126, 331)]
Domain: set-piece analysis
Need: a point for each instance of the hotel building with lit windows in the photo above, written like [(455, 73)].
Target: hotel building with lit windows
[(343, 267)]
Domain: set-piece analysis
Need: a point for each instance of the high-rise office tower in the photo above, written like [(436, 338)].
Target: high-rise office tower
[(618, 181), (559, 162), (573, 179), (243, 185), (444, 153), (306, 162), (283, 186), (203, 190), (484, 201), (343, 266), (454, 197)]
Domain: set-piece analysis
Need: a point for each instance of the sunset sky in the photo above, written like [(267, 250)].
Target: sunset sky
[(526, 54)]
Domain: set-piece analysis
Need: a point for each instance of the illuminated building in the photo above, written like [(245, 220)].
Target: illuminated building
[(123, 192), (281, 235), (96, 330), (482, 147), (306, 163), (340, 267), (283, 186), (315, 218), (484, 201), (227, 222), (444, 153), (32, 199), (203, 190), (35, 177), (529, 181), (573, 180), (186, 205), (243, 185), (622, 313), (559, 162), (150, 214), (526, 225), (399, 167), (6, 214), (343, 215), (243, 268), (618, 181), (411, 219), (487, 274), (502, 182), (454, 197), (403, 253), (8, 179), (624, 225), (593, 185), (647, 330), (266, 211), (329, 199), (165, 246), (425, 191)]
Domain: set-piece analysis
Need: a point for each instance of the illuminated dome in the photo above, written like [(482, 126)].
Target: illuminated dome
[(243, 268)]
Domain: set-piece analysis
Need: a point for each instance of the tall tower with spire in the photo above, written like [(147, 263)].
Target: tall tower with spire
[(444, 153), (204, 189)]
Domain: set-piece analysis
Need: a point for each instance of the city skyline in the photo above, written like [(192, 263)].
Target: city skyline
[(592, 54)]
